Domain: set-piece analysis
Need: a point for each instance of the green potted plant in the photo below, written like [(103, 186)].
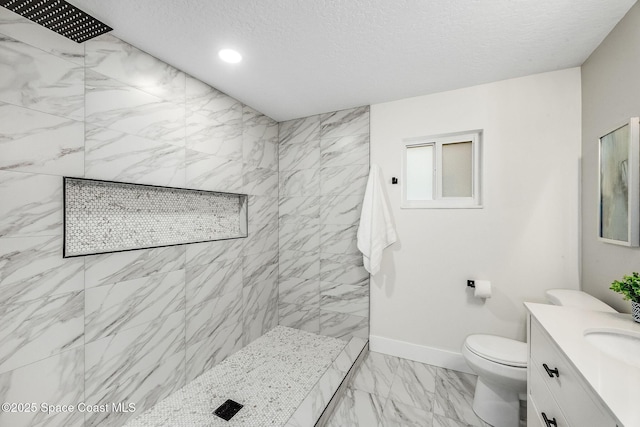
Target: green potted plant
[(629, 286)]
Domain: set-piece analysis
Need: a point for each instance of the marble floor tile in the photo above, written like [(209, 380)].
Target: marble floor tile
[(397, 414), (376, 373), (440, 421), (414, 385), (454, 396), (358, 409), (411, 400)]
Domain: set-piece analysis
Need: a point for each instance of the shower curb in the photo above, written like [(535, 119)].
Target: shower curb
[(318, 406)]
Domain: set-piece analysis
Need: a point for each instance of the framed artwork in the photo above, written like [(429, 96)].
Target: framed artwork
[(619, 189)]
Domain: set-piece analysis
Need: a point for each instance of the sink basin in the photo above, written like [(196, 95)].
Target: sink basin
[(618, 343)]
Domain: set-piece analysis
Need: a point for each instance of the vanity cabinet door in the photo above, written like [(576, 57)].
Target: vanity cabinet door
[(566, 386), (547, 411)]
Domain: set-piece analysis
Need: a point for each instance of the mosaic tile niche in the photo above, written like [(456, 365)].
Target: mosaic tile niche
[(105, 216)]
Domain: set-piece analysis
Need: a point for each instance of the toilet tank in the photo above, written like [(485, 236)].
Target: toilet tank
[(571, 298)]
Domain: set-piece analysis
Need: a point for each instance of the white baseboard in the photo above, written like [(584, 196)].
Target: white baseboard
[(419, 353)]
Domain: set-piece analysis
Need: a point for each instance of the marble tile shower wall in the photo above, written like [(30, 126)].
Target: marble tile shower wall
[(131, 326), (324, 165)]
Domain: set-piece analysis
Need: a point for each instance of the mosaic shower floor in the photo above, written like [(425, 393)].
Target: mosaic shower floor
[(270, 377)]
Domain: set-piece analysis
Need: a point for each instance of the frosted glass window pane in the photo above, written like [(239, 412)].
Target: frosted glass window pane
[(420, 172), (457, 165)]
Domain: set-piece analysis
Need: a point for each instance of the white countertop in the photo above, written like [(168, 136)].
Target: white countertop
[(615, 382)]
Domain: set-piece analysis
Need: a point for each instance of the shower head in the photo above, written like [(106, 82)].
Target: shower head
[(59, 16)]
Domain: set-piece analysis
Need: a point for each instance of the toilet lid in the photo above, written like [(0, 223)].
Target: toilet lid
[(498, 349)]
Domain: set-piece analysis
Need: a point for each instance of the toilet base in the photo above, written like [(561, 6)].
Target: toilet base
[(495, 405)]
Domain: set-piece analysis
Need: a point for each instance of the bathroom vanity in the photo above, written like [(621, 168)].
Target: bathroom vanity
[(584, 368)]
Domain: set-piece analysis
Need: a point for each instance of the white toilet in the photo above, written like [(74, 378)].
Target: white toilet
[(501, 364)]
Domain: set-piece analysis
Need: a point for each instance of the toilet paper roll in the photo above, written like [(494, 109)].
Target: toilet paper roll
[(483, 289)]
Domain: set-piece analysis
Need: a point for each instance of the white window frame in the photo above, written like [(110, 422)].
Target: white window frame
[(439, 202)]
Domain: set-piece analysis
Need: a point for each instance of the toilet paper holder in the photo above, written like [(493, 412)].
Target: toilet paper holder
[(481, 288)]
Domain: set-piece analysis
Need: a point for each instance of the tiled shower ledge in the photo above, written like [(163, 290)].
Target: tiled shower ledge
[(287, 377)]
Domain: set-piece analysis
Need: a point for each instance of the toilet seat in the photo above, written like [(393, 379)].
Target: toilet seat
[(496, 349)]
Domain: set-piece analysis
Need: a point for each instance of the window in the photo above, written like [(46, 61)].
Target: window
[(442, 171)]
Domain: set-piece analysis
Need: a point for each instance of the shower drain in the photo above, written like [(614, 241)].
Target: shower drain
[(228, 409)]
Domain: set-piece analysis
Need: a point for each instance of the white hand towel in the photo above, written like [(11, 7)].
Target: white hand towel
[(376, 230)]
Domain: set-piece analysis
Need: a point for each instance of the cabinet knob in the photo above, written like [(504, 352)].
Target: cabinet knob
[(549, 422), (551, 372)]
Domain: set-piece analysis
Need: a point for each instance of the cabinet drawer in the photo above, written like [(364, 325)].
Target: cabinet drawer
[(533, 415), (567, 387), (544, 404)]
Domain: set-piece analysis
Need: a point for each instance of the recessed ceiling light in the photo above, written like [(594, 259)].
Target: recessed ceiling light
[(229, 55)]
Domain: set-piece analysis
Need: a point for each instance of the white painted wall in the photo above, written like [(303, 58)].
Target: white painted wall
[(525, 239), (611, 95)]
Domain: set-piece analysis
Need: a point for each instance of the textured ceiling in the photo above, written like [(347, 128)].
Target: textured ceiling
[(304, 57)]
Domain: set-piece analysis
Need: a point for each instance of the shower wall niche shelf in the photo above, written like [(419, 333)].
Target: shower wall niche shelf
[(107, 216)]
